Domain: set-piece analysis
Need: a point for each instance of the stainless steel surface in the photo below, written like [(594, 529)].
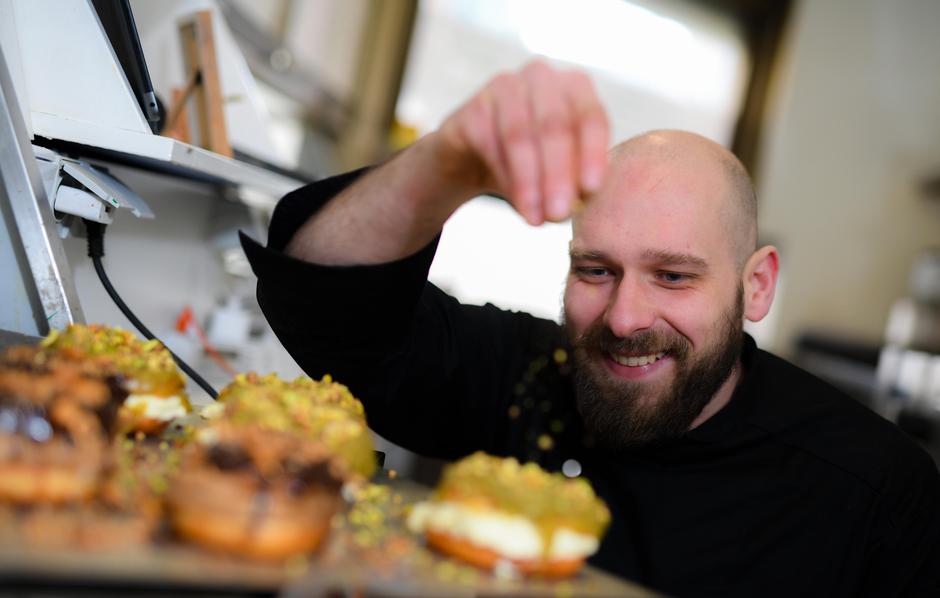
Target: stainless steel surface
[(31, 224)]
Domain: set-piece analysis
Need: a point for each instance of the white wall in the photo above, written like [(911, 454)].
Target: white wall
[(160, 266), (855, 129)]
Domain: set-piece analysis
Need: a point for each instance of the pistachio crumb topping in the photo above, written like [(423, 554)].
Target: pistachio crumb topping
[(147, 366), (550, 500), (323, 410)]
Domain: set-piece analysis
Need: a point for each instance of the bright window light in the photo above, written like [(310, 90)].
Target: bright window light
[(636, 46), (670, 48)]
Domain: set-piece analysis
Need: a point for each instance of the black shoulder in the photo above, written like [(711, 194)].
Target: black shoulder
[(811, 415)]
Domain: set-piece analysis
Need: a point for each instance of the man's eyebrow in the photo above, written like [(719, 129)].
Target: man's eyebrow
[(587, 255), (672, 258)]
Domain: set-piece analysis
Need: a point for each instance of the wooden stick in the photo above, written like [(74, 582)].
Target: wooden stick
[(180, 97), (199, 53)]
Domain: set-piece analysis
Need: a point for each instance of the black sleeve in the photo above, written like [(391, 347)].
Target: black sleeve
[(435, 376)]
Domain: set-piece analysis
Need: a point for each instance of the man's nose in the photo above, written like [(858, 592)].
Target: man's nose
[(630, 310)]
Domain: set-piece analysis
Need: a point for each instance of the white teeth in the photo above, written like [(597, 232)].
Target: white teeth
[(637, 361)]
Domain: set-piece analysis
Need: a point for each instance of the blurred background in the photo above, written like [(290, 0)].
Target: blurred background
[(833, 105)]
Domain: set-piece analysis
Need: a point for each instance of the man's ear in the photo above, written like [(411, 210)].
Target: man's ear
[(760, 282)]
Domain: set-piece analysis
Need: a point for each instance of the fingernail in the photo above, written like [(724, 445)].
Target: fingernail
[(527, 202), (591, 179), (534, 217)]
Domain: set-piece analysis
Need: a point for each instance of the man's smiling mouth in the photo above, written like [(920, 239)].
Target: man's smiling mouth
[(636, 360)]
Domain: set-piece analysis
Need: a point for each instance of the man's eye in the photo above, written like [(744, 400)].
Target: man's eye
[(592, 272), (674, 277)]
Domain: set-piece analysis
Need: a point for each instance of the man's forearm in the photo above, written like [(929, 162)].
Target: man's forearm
[(390, 213)]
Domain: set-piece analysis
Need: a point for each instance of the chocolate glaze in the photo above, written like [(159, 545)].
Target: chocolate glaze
[(312, 474), (24, 411), (229, 457), (299, 476), (107, 413)]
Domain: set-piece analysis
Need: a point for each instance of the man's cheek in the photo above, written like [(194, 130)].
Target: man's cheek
[(584, 304)]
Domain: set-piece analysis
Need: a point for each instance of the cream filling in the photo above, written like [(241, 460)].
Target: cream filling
[(213, 410), (637, 361), (512, 536), (154, 407)]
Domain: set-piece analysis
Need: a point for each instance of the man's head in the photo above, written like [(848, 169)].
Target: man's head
[(664, 268)]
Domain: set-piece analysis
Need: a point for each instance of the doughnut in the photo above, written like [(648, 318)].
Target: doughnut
[(488, 510), (139, 474), (263, 478), (256, 492), (322, 410), (156, 386), (56, 418), (76, 482), (84, 527)]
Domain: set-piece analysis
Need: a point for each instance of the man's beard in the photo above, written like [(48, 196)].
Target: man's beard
[(624, 414)]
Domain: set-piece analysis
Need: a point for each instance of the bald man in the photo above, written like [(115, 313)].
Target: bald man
[(728, 471)]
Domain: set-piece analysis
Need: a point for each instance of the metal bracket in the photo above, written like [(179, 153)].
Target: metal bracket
[(78, 189), (112, 191)]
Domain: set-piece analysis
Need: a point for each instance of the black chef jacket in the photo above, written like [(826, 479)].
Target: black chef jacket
[(793, 489)]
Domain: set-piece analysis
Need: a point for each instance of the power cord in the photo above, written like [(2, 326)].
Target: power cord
[(95, 231)]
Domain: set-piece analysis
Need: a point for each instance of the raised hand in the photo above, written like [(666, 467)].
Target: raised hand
[(538, 137)]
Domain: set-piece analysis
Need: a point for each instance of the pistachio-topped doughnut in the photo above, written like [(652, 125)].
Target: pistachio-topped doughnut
[(488, 509), (156, 386), (322, 410), (264, 478)]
